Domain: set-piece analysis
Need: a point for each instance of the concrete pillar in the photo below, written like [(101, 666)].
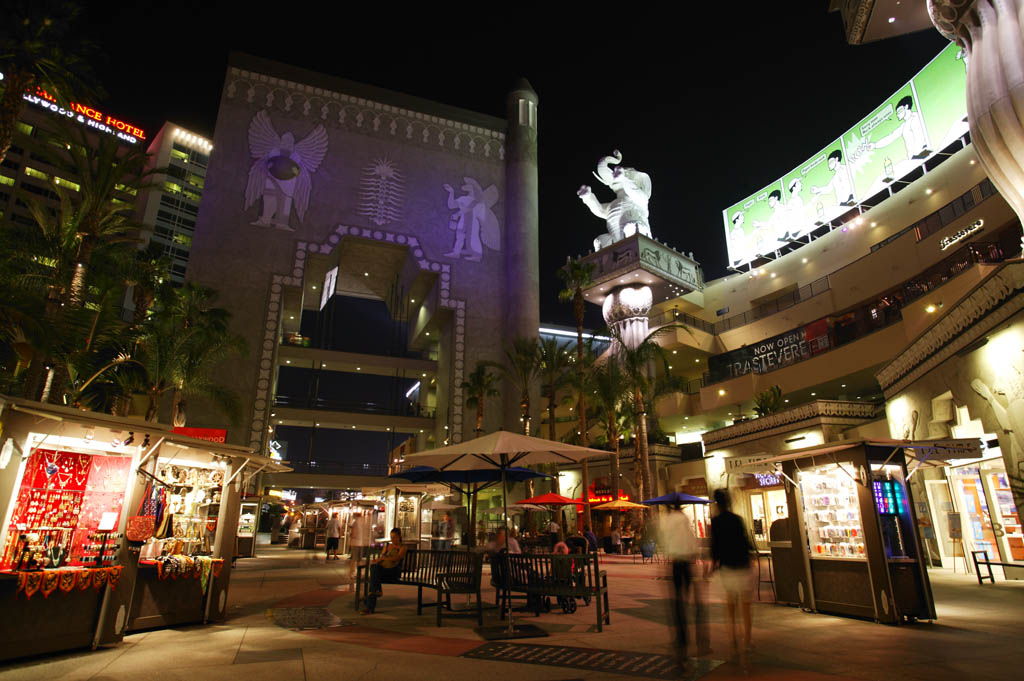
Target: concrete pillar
[(989, 31), (522, 268)]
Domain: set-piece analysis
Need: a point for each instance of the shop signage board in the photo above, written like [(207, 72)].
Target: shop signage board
[(924, 116), (955, 530), (772, 353), (735, 465), (208, 434)]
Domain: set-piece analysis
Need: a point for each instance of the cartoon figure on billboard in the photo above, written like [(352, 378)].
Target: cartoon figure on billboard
[(794, 210), (775, 226), (738, 248), (840, 186), (474, 222), (282, 171), (910, 130)]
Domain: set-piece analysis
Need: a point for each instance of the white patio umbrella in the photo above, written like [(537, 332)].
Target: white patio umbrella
[(502, 450)]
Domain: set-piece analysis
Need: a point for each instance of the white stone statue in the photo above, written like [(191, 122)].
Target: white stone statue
[(627, 213), (282, 171)]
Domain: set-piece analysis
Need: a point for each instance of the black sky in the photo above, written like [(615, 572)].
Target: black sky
[(712, 101)]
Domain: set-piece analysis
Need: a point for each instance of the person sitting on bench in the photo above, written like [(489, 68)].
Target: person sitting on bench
[(386, 568)]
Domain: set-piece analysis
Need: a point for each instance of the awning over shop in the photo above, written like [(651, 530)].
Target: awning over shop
[(924, 452)]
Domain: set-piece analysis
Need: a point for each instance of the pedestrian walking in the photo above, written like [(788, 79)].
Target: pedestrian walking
[(680, 545), (333, 536), (730, 553), (359, 540), (447, 532)]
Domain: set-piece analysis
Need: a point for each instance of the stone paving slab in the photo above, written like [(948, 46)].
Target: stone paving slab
[(276, 599)]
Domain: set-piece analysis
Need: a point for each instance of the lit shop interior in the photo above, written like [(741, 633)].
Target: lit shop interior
[(111, 525)]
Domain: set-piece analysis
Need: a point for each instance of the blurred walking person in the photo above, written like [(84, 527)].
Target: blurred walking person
[(359, 540), (680, 545), (730, 553), (333, 536)]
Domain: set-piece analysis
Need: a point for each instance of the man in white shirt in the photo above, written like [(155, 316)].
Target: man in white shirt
[(680, 545), (333, 535), (359, 540)]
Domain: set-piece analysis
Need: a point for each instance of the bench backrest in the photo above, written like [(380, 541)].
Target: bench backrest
[(525, 570), (423, 566)]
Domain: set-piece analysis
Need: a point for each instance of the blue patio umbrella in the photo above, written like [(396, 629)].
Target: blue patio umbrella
[(676, 499)]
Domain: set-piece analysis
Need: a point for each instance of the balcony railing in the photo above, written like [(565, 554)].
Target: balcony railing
[(296, 341), (353, 406), (339, 468), (858, 323)]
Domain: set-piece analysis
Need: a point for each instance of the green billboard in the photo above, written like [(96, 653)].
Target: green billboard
[(923, 117)]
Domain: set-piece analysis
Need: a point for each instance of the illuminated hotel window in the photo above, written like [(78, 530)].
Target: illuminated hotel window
[(7, 180), (126, 189), (39, 175), (191, 195), (24, 128), (179, 153), (172, 187)]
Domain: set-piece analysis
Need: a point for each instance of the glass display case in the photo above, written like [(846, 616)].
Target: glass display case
[(246, 536), (832, 514), (65, 510)]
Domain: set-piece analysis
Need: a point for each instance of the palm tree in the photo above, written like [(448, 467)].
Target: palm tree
[(209, 341), (577, 276), (148, 273), (635, 363), (105, 170), (554, 378), (522, 368), (41, 50), (39, 260), (611, 397), (481, 385), (180, 347)]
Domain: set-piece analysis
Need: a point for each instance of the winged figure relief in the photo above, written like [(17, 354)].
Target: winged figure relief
[(474, 222), (282, 170)]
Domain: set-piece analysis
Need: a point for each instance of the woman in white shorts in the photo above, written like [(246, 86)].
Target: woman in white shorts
[(730, 553)]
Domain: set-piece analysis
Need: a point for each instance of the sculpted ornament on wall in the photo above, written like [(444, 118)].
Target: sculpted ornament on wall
[(627, 213), (382, 192), (282, 171), (474, 222)]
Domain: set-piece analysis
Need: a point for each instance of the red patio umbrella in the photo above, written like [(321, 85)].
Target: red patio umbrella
[(549, 499)]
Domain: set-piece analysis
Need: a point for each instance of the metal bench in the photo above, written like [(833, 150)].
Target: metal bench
[(545, 576), (988, 563), (446, 572)]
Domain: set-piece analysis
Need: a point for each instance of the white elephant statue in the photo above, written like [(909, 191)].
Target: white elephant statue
[(627, 213)]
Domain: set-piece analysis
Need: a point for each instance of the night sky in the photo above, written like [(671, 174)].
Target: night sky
[(713, 104)]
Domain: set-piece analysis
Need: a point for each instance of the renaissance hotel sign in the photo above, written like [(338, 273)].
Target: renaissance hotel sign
[(88, 116), (923, 117)]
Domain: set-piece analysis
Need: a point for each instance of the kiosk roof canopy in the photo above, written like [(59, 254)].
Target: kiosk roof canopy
[(941, 450)]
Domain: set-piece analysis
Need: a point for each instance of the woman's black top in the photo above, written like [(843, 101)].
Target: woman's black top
[(730, 545)]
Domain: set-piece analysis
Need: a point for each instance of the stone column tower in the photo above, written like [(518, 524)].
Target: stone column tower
[(522, 269), (992, 36)]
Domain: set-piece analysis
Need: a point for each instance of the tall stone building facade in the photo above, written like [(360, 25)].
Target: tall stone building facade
[(323, 183)]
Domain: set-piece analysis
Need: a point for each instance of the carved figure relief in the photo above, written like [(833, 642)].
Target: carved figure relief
[(474, 222), (627, 213), (282, 171), (381, 192), (1010, 417)]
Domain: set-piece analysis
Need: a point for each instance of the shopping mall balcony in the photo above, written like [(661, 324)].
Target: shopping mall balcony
[(825, 339)]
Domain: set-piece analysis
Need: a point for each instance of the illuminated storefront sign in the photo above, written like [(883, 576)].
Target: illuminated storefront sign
[(208, 434), (89, 116), (948, 241), (923, 117)]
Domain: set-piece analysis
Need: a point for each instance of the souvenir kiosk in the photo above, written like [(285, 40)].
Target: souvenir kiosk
[(851, 535), (71, 576)]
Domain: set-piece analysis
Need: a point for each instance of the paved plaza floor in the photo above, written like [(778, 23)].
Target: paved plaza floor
[(291, 617)]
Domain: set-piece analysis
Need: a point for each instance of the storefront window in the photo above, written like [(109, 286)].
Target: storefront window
[(832, 514), (64, 500), (988, 515)]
